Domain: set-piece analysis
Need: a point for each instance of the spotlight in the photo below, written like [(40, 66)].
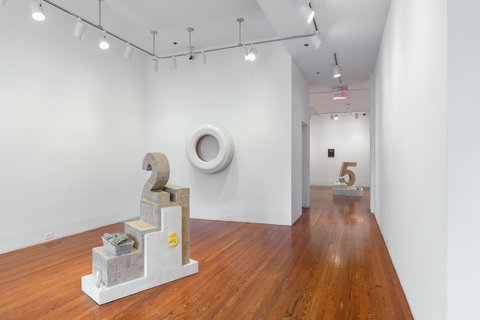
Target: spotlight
[(79, 29), (204, 57), (103, 44), (251, 54), (315, 40), (356, 115), (335, 117), (336, 72), (37, 10), (331, 117), (155, 64), (307, 13), (174, 63), (128, 51)]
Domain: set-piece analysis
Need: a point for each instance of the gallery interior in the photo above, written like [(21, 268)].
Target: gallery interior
[(239, 159)]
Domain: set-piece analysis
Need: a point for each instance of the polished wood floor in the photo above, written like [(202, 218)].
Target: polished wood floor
[(332, 264)]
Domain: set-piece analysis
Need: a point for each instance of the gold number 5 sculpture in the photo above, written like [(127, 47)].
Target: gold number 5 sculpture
[(344, 171)]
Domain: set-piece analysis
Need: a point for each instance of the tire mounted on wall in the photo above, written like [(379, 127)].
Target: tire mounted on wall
[(225, 149)]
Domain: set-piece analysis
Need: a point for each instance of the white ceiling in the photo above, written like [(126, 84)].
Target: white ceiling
[(351, 28), (322, 102)]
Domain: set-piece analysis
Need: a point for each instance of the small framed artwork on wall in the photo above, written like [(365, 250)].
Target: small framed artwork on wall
[(331, 153)]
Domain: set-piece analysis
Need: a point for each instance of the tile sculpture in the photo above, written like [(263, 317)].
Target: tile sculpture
[(347, 188), (161, 241)]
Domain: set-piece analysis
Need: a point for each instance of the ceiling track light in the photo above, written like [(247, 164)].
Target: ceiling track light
[(103, 43), (307, 12), (315, 40), (174, 62), (331, 117), (335, 117), (336, 69), (154, 59), (240, 43), (251, 54), (37, 10), (127, 54), (204, 57), (79, 29), (336, 72)]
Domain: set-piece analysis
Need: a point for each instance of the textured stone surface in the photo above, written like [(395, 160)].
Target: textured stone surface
[(117, 269), (151, 212), (136, 231), (159, 197), (157, 163)]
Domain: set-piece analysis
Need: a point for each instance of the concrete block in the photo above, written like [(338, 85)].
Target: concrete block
[(137, 272), (151, 212), (178, 195), (124, 262), (137, 259), (117, 269), (125, 275), (160, 197), (185, 235), (136, 231)]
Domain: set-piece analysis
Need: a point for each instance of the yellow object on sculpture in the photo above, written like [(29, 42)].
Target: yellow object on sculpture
[(172, 239)]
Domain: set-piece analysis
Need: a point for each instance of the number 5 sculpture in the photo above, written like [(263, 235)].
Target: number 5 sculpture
[(344, 171)]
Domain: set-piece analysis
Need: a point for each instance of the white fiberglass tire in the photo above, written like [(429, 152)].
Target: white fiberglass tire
[(225, 149)]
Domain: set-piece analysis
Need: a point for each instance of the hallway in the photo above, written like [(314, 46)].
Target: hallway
[(332, 264)]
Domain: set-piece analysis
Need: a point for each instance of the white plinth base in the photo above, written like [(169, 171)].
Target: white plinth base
[(343, 190), (163, 263), (104, 295)]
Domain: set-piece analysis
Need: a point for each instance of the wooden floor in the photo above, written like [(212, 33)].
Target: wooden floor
[(332, 264)]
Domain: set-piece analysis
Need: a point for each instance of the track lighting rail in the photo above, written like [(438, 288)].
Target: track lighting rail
[(238, 46), (152, 54), (99, 27)]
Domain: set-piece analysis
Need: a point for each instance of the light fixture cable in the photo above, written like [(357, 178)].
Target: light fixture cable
[(190, 47), (240, 20), (100, 14), (154, 59)]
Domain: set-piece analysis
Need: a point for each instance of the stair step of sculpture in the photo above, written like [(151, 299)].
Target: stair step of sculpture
[(136, 231)]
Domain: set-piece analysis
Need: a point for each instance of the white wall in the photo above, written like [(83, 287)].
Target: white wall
[(463, 159), (349, 137), (300, 116), (410, 101), (253, 101), (72, 129)]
